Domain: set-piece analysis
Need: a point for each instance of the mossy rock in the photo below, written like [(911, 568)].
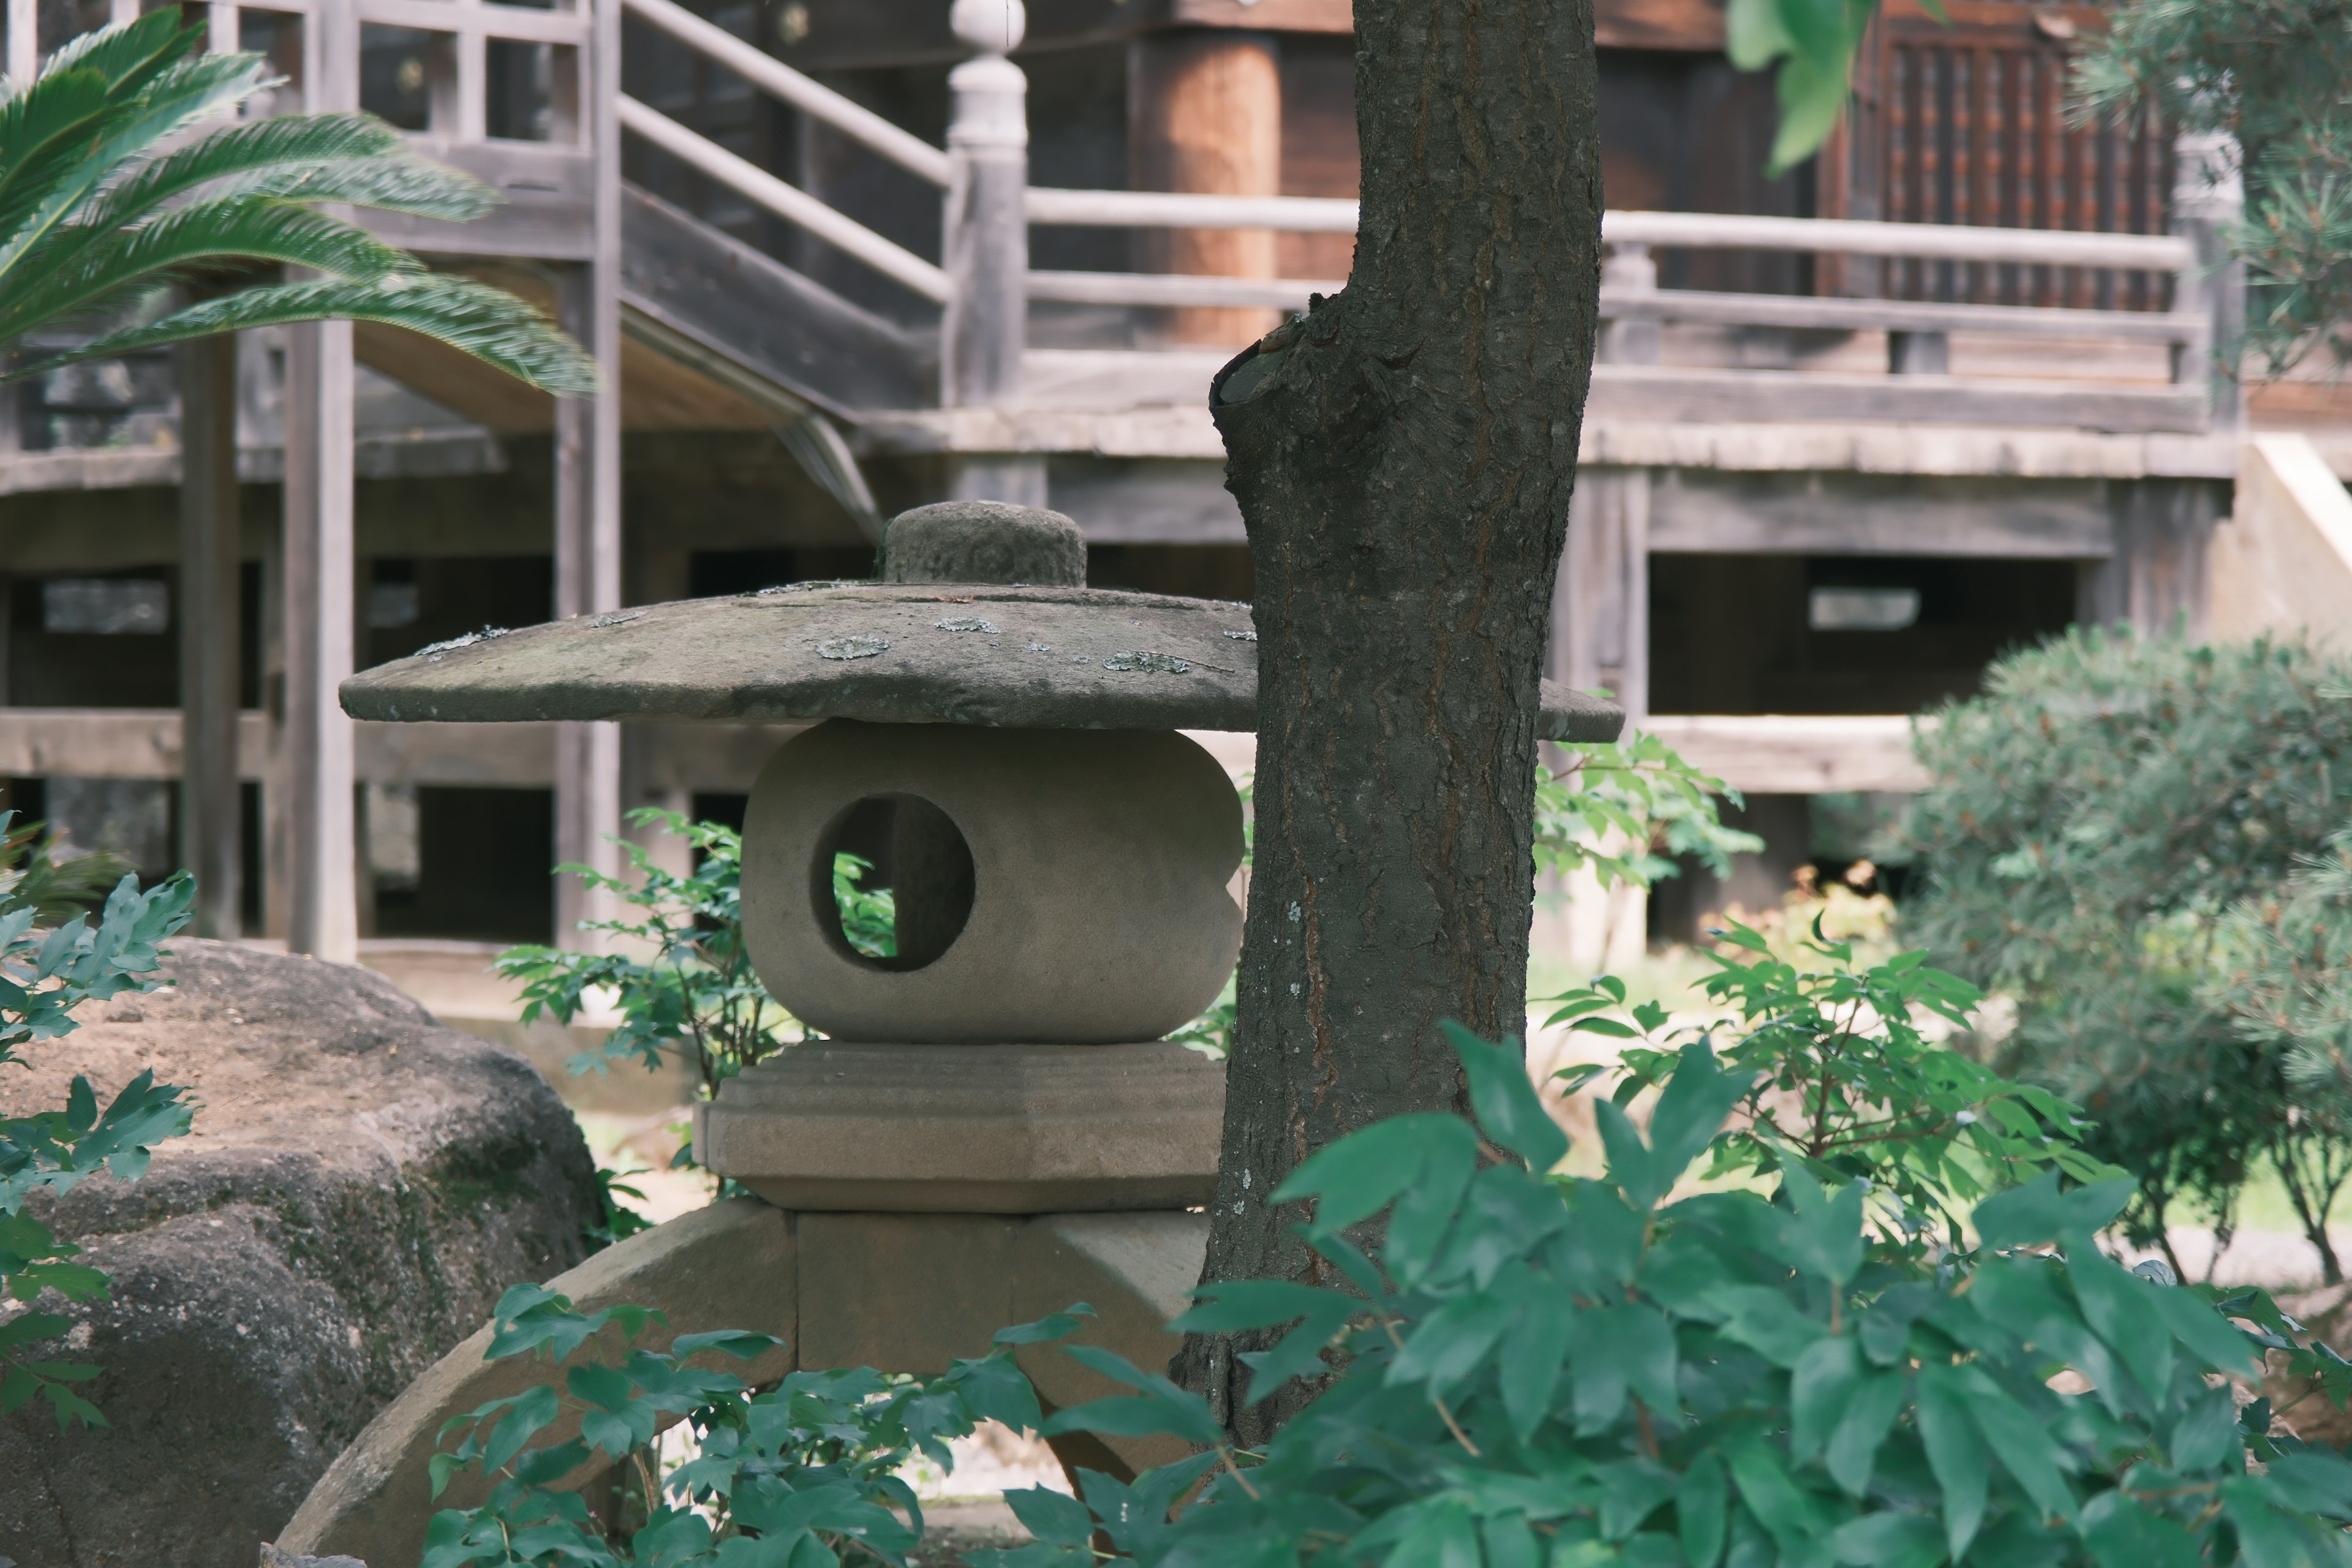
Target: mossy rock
[(360, 1185)]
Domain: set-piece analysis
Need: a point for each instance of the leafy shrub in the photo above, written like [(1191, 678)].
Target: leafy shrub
[(2096, 816), (801, 1474), (1844, 1084), (45, 975), (1626, 810), (1501, 1365), (1524, 1369), (1529, 1369)]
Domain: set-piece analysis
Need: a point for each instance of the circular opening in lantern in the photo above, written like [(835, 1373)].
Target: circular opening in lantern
[(892, 882)]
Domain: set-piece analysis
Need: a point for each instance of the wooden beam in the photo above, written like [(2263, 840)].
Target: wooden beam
[(1696, 513), (212, 812), (1205, 115), (1779, 754), (1684, 394)]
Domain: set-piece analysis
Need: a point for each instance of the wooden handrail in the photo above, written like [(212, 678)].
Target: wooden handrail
[(1175, 209), (787, 202), (1178, 289), (770, 75), (1929, 241), (1723, 231)]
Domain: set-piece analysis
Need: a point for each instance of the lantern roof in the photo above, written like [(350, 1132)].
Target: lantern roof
[(1010, 655)]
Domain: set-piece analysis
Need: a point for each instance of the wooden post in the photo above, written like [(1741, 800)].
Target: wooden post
[(986, 244), (211, 807), (588, 506), (1205, 114), (320, 829), (24, 38), (1629, 269), (1601, 604), (2208, 198), (318, 570), (1919, 353)]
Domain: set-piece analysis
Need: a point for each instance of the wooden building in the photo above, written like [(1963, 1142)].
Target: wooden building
[(1943, 389)]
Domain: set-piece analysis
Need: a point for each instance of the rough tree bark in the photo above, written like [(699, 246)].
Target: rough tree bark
[(1403, 457)]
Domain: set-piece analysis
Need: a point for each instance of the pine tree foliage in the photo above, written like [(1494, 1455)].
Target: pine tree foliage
[(116, 181), (2098, 815), (2271, 74)]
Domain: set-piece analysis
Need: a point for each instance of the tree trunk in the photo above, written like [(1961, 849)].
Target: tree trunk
[(1403, 457)]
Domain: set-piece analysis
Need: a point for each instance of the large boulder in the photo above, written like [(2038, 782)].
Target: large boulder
[(360, 1185)]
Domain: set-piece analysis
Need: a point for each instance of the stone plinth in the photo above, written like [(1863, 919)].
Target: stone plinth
[(970, 1129)]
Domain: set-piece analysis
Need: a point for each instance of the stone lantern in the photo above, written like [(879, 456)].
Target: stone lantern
[(1005, 743)]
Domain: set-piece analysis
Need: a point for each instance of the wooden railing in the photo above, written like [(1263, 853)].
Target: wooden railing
[(447, 55), (984, 284)]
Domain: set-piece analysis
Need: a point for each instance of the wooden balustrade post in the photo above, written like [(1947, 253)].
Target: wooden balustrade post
[(986, 243), (1630, 269), (2208, 196), (1919, 353)]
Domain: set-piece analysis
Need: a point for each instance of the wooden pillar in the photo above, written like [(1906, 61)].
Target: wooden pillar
[(321, 841), (1205, 114), (211, 808), (24, 38), (2158, 578), (317, 567), (1601, 606), (588, 553)]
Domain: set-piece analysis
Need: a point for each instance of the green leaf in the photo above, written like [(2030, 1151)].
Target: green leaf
[(1533, 1350), (1364, 1172), (1507, 1107), (1955, 1453), (743, 1344), (2120, 1307), (1052, 1516), (1159, 1406), (1631, 1490), (1869, 1415), (1701, 1499), (1822, 1234), (2020, 1442), (1889, 1540), (1450, 1344), (1821, 1387), (1693, 1106), (1764, 1321), (2122, 1534), (1615, 1349), (2039, 1212), (2205, 1333)]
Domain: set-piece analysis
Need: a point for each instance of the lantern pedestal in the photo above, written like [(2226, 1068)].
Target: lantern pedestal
[(970, 1129)]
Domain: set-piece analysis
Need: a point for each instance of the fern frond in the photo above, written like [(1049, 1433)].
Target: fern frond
[(488, 323)]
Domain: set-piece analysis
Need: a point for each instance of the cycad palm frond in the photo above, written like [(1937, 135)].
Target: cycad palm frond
[(488, 323), (97, 212)]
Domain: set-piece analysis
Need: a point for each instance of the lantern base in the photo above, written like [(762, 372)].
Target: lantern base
[(1010, 1129)]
